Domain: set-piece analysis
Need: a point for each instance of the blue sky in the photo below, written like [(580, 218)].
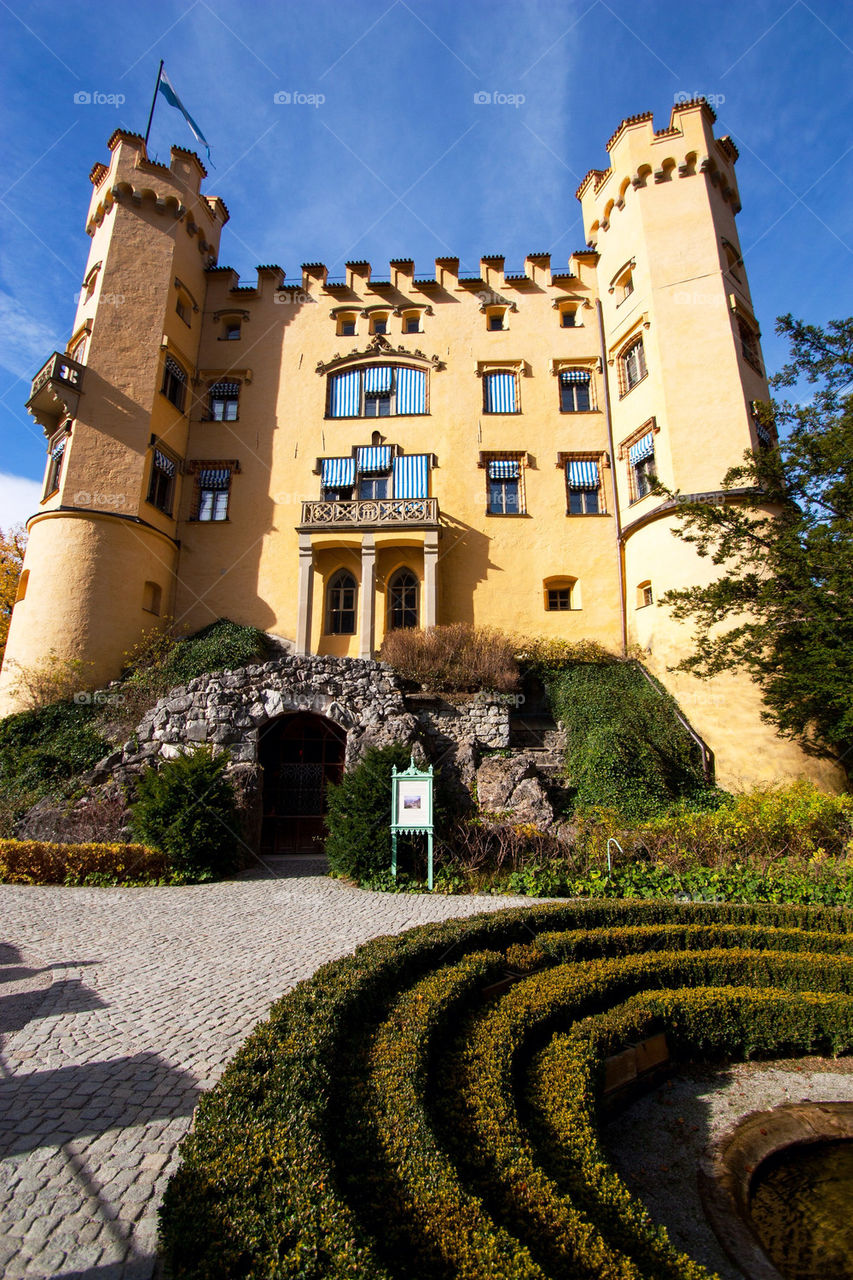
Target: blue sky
[(399, 159)]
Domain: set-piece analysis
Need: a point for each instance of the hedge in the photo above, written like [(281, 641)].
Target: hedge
[(394, 1116), (40, 862)]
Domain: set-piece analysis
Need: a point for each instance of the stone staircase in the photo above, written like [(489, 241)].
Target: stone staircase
[(541, 738)]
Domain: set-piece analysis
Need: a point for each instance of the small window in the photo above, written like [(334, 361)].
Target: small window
[(346, 326), (340, 604), (574, 391), (174, 383), (625, 287), (749, 344), (559, 599), (151, 597), (23, 583), (568, 317), (412, 324), (645, 476), (504, 496), (379, 324), (372, 487), (224, 401), (183, 310), (496, 321), (500, 393), (402, 601), (161, 486), (232, 331), (644, 595), (78, 351), (213, 486), (632, 366), (54, 467), (583, 487)]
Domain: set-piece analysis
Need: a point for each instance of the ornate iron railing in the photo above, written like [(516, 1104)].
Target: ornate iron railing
[(371, 511)]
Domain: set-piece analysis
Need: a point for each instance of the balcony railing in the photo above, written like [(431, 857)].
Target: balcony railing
[(55, 391), (370, 511)]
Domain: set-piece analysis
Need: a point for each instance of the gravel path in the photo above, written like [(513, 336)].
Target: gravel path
[(117, 1007)]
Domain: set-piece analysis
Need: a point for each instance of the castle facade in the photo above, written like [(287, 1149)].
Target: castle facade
[(335, 457)]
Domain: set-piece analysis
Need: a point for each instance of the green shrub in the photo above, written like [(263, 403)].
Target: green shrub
[(187, 809), (455, 658), (358, 845), (626, 747), (41, 862), (41, 750), (371, 1128)]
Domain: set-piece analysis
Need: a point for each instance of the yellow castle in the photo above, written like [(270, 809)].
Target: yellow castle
[(340, 456)]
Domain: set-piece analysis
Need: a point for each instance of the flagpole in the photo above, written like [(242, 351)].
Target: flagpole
[(153, 101)]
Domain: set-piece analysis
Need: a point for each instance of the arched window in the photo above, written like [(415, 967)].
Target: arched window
[(402, 600), (632, 366), (340, 604)]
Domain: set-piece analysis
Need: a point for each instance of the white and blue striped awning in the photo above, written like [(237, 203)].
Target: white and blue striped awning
[(58, 449), (582, 474), (500, 393), (504, 469), (174, 368), (338, 473), (225, 389), (374, 459), (217, 478), (411, 390), (644, 448), (411, 476), (763, 433), (345, 394), (163, 463), (377, 378), (574, 375)]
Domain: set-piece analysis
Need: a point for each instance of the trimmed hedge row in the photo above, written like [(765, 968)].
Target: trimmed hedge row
[(40, 862), (352, 1135)]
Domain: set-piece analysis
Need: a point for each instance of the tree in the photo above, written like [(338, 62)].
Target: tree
[(12, 546), (785, 539)]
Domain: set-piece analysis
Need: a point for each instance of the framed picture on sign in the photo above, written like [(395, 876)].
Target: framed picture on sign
[(413, 807)]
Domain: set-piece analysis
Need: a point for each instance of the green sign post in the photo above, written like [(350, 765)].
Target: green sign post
[(411, 810)]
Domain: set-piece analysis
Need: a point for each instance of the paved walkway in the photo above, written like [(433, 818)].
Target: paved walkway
[(117, 1007)]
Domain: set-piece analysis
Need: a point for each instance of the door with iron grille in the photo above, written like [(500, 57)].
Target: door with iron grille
[(301, 754)]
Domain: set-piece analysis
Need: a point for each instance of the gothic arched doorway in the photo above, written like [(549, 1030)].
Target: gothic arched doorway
[(301, 754)]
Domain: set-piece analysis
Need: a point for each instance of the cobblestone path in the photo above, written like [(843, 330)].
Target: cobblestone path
[(117, 1007)]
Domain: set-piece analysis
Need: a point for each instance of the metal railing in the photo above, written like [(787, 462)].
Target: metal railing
[(370, 511)]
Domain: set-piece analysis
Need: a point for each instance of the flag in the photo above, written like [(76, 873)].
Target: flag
[(165, 86)]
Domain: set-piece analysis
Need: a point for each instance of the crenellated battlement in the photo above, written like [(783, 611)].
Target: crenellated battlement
[(641, 155)]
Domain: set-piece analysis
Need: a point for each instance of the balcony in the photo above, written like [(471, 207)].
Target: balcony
[(374, 513), (55, 392)]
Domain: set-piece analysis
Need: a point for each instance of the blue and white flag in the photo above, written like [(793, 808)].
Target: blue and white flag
[(165, 86)]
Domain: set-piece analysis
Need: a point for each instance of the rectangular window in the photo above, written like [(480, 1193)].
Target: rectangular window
[(641, 465), (378, 391), (338, 478), (559, 599), (574, 391), (161, 486), (374, 468), (632, 366), (224, 401), (174, 383), (582, 488), (500, 393), (214, 487), (232, 330), (504, 487), (54, 470), (380, 326), (412, 325), (347, 328), (749, 344)]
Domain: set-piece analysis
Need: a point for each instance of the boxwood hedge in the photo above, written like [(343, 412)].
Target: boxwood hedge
[(426, 1107)]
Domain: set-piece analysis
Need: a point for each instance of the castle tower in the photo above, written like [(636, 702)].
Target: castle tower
[(100, 567), (684, 366)]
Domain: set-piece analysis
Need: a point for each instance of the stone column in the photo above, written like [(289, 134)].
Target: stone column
[(367, 611), (306, 590), (430, 601)]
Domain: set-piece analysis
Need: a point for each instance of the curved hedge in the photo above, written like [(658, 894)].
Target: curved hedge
[(408, 1113)]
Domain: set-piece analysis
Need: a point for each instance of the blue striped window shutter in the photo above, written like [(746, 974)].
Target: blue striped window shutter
[(411, 390), (377, 378), (582, 474), (374, 459), (411, 476), (501, 393), (344, 394), (338, 473), (644, 448)]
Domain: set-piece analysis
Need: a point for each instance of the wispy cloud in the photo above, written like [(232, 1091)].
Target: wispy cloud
[(25, 341), (19, 498)]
